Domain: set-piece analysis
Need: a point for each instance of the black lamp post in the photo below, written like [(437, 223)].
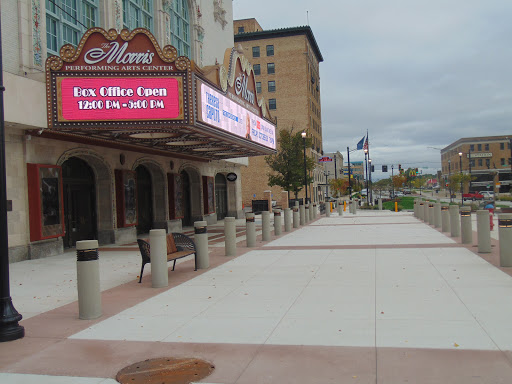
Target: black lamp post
[(9, 317), (370, 196), (461, 190), (366, 166), (450, 179), (303, 134)]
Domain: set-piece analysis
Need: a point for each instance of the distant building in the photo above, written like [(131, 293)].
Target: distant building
[(286, 64), (487, 158)]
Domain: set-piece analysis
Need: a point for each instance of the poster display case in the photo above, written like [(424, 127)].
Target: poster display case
[(208, 194), (175, 195), (46, 206), (126, 198)]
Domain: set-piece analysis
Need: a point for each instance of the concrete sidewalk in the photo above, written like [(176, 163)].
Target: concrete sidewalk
[(377, 297)]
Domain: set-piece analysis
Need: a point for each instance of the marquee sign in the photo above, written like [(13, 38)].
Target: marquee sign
[(235, 108), (113, 78)]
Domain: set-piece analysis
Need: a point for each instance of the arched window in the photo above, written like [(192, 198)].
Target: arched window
[(138, 14), (180, 27), (67, 20)]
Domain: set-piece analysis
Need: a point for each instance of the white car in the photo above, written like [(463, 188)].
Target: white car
[(487, 194)]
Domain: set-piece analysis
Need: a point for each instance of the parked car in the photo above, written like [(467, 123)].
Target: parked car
[(487, 194), (472, 196)]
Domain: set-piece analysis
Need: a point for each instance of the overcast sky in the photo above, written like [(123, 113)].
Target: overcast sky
[(414, 73)]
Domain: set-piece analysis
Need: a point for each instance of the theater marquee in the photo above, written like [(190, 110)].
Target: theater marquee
[(122, 91), (115, 77)]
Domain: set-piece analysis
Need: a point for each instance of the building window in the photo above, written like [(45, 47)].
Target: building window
[(472, 147), (508, 145), (479, 147), (488, 163), (502, 161), (139, 14), (270, 50), (180, 26), (480, 162), (255, 51), (272, 86), (67, 22), (271, 68), (486, 147), (258, 87), (502, 146), (272, 104), (472, 162), (256, 69), (241, 29)]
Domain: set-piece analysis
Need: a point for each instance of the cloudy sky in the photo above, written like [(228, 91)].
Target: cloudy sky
[(414, 73)]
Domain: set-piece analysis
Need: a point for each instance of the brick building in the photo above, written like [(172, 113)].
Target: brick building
[(487, 158), (286, 64)]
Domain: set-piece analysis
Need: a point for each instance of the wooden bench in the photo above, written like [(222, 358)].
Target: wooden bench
[(178, 246)]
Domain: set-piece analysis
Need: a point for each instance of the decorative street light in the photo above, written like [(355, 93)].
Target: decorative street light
[(9, 317), (303, 134), (370, 196), (366, 165), (450, 179), (460, 165)]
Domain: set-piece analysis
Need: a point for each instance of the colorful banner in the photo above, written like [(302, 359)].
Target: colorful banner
[(223, 113)]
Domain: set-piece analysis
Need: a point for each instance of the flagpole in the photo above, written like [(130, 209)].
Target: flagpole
[(370, 197)]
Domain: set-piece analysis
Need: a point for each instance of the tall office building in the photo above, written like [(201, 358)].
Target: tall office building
[(286, 64)]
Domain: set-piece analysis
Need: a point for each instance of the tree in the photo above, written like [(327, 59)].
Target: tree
[(455, 180), (339, 187), (399, 181), (382, 185), (419, 182), (288, 163)]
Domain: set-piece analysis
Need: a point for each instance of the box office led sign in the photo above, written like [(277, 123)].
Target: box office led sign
[(223, 113), (117, 77)]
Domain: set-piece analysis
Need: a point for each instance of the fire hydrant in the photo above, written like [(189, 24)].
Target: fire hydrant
[(490, 208)]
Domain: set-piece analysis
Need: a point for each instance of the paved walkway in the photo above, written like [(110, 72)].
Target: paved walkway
[(377, 297)]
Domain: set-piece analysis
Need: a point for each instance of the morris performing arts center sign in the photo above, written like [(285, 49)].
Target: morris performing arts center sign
[(121, 90)]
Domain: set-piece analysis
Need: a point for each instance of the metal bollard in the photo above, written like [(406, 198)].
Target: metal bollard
[(159, 269), (431, 213), (505, 237), (314, 210), (327, 209), (306, 214), (425, 212), (421, 209), (250, 230), (265, 225), (287, 219), (201, 240), (310, 212), (483, 231), (445, 218), (466, 232), (340, 210), (437, 215), (88, 279), (229, 236), (302, 215), (278, 225), (296, 217), (380, 204), (454, 221)]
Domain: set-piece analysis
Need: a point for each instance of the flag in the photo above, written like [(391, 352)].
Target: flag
[(365, 146), (360, 144)]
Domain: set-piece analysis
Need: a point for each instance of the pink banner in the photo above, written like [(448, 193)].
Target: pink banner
[(119, 98)]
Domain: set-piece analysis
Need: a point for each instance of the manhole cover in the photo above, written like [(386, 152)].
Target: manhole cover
[(165, 371)]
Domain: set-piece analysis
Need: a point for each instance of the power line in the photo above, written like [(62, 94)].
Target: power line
[(67, 13)]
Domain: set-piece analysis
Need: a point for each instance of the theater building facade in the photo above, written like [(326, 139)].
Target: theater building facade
[(118, 134)]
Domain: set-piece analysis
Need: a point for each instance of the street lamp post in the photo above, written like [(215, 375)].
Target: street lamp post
[(450, 179), (303, 134), (392, 180), (366, 165), (370, 196), (326, 173), (9, 317), (461, 190)]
